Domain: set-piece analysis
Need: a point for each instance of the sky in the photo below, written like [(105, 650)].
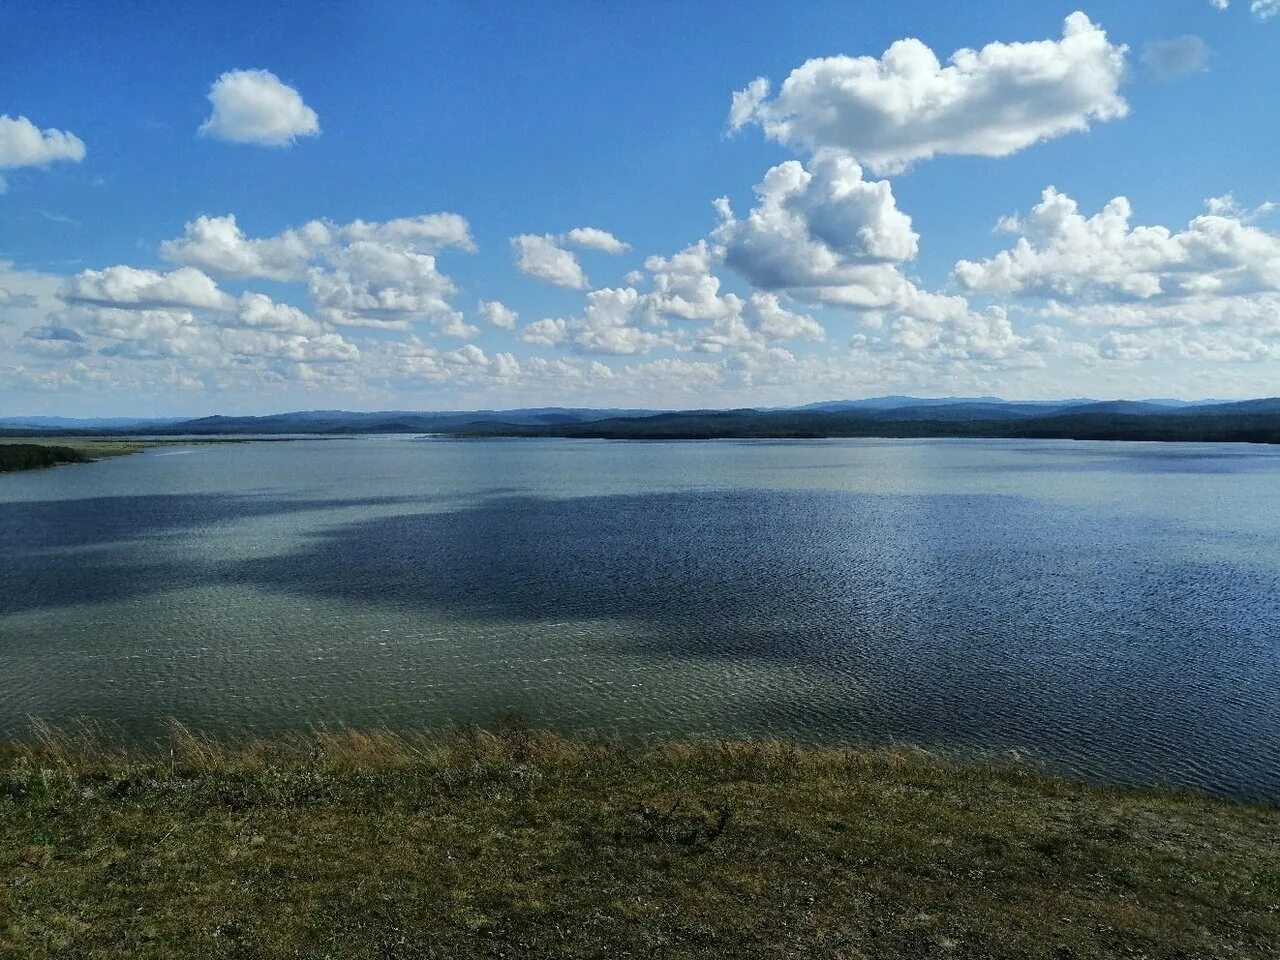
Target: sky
[(244, 208)]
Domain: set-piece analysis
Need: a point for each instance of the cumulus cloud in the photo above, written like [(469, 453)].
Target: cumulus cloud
[(685, 288), (1170, 59), (685, 310), (429, 233), (906, 106), (544, 257), (23, 144), (1061, 253), (218, 245), (822, 233), (130, 288), (166, 327), (498, 314), (593, 238), (775, 322), (254, 106), (613, 322), (257, 345), (540, 256), (258, 311), (360, 274), (753, 326), (377, 285), (1142, 294)]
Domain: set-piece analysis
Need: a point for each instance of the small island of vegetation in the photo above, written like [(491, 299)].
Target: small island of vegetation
[(32, 456), (519, 843)]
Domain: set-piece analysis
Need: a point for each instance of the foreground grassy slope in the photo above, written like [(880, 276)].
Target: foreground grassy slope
[(522, 844)]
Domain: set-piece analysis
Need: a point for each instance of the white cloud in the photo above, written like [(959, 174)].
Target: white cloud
[(754, 326), (429, 233), (1063, 254), (685, 288), (614, 322), (823, 234), (543, 256), (907, 106), (361, 274), (254, 106), (218, 245), (1262, 9), (546, 333), (23, 144), (1169, 59), (539, 256), (414, 362), (167, 326), (375, 285), (1209, 293), (260, 312), (775, 322), (498, 314), (131, 288), (608, 325), (684, 311), (295, 348), (593, 238)]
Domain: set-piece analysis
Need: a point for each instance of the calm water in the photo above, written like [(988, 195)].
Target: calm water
[(1112, 609)]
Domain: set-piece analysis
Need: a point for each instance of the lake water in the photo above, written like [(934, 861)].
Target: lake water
[(1111, 609)]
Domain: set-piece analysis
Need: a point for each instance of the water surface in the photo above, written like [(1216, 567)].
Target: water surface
[(1111, 609)]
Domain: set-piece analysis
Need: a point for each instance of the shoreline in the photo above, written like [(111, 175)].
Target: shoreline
[(72, 450)]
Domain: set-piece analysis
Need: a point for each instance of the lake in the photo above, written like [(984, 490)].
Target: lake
[(1110, 609)]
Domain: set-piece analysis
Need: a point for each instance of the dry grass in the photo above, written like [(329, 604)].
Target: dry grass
[(520, 843)]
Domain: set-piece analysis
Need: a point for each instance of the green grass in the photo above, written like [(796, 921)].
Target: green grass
[(32, 456), (34, 453), (527, 844), (29, 453)]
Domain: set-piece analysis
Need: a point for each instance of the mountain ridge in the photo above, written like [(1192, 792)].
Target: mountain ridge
[(1256, 420)]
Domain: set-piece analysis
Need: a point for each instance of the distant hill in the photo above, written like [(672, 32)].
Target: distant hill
[(894, 416), (87, 423)]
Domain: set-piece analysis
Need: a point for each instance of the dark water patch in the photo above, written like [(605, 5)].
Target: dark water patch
[(65, 552)]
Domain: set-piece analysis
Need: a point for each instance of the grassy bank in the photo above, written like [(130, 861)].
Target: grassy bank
[(29, 453), (520, 844), (34, 453), (33, 456)]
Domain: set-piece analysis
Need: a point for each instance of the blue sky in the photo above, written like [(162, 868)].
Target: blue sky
[(534, 120)]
